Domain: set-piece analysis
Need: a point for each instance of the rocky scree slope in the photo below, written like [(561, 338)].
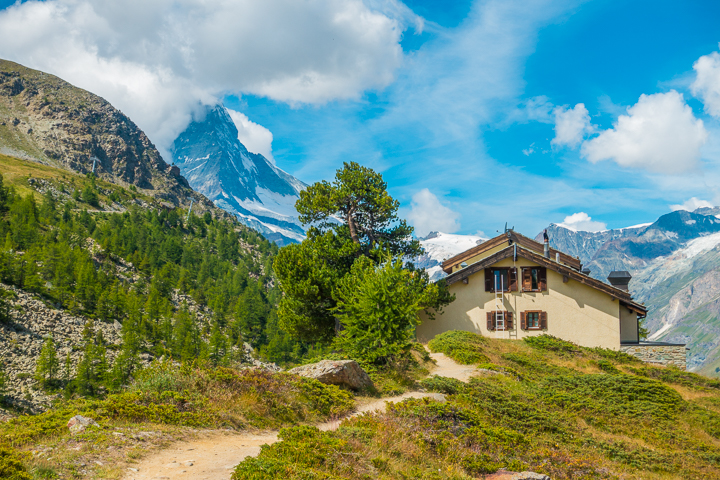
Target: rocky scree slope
[(215, 162), (22, 339), (47, 120)]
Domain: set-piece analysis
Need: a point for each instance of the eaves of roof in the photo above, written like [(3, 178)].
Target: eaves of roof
[(507, 252), (513, 237)]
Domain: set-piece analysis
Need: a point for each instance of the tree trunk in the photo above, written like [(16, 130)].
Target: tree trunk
[(351, 226)]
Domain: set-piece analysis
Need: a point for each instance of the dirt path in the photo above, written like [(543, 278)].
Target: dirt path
[(214, 455)]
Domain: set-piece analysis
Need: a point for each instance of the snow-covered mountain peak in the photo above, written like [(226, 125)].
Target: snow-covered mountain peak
[(214, 161)]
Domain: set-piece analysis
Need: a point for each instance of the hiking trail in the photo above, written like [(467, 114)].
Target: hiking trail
[(214, 455)]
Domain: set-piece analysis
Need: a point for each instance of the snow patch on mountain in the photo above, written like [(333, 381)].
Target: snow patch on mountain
[(700, 245), (441, 246)]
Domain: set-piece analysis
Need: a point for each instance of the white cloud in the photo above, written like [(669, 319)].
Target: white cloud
[(659, 134), (707, 82), (427, 215), (581, 221), (691, 204), (571, 125), (256, 138), (158, 61)]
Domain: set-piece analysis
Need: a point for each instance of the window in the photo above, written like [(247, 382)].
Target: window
[(504, 279), (534, 279), (533, 320)]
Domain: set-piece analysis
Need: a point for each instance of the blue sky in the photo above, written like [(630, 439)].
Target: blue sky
[(466, 143), (477, 114)]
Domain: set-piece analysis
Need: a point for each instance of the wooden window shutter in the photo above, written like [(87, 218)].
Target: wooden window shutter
[(523, 321), (526, 279), (489, 280), (508, 320), (543, 320), (490, 321), (512, 279), (542, 278)]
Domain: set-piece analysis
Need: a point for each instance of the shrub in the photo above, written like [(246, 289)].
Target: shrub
[(550, 343), (463, 347), (300, 452), (11, 467), (612, 395), (440, 384), (608, 367)]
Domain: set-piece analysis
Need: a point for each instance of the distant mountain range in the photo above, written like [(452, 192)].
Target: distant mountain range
[(212, 158)]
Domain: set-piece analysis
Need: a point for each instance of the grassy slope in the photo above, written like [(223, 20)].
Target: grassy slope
[(16, 172), (558, 409), (166, 403)]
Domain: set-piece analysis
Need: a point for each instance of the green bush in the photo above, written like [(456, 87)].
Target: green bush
[(301, 451), (608, 367), (613, 395), (440, 384), (11, 466), (463, 347), (552, 344)]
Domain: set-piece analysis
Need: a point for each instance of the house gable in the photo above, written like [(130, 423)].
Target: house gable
[(489, 247)]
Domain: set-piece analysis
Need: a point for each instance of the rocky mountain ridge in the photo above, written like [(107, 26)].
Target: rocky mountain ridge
[(47, 120)]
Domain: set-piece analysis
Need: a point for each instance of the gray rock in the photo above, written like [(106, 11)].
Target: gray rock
[(336, 372), (78, 423)]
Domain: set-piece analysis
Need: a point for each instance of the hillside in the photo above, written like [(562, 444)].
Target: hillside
[(47, 120), (541, 405), (217, 164), (78, 253)]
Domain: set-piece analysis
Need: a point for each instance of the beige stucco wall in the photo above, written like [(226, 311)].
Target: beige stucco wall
[(628, 325), (575, 312)]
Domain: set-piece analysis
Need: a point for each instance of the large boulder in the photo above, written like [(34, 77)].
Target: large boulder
[(336, 372)]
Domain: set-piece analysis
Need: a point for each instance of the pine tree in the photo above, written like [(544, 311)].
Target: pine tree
[(218, 344), (85, 379), (67, 370), (47, 366)]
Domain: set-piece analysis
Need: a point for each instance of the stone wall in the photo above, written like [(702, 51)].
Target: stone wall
[(659, 354)]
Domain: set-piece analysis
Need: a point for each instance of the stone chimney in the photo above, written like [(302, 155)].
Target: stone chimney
[(620, 279)]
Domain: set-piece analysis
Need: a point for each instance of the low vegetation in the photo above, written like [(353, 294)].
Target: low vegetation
[(550, 406), (162, 397)]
